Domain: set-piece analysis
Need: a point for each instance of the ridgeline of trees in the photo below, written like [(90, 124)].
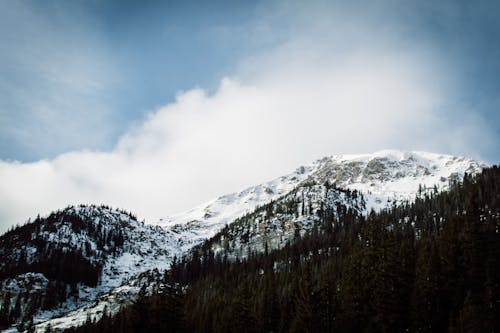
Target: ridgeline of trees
[(67, 247), (429, 266)]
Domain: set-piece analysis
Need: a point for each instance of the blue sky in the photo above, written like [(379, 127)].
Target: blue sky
[(136, 55), (117, 101)]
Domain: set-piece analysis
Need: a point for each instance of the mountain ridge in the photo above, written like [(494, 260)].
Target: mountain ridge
[(383, 178), (76, 254), (427, 265), (425, 168)]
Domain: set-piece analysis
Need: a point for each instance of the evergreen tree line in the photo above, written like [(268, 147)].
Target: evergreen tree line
[(272, 225), (426, 266)]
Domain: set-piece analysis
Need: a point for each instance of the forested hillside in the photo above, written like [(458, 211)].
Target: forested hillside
[(55, 264), (427, 266)]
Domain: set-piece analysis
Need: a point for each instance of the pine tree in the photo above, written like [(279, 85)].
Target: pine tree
[(5, 311), (303, 310)]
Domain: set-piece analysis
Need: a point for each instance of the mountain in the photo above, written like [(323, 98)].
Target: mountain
[(387, 176), (113, 248), (337, 186), (430, 265), (72, 256)]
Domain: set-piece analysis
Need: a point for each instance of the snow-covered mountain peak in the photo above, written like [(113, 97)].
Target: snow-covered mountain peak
[(392, 175), (383, 165), (384, 176), (386, 172)]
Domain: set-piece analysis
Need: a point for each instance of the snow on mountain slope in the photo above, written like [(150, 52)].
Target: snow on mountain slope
[(383, 178), (336, 185), (76, 255), (273, 225), (109, 303), (204, 221), (392, 175)]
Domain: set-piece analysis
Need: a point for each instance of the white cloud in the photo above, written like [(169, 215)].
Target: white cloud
[(287, 106)]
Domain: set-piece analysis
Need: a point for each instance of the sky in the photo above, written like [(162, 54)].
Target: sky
[(158, 106)]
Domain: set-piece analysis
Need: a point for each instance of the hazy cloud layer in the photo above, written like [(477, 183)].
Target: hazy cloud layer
[(333, 82)]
